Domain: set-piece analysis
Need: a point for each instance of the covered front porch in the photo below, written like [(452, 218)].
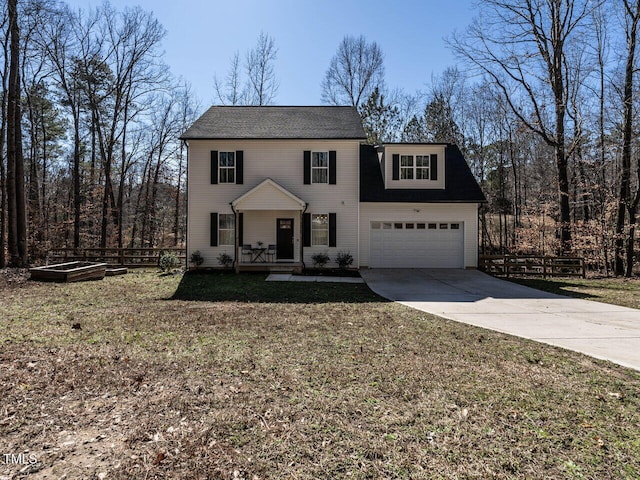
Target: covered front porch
[(268, 229)]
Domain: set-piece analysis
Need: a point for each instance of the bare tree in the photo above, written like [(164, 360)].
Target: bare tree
[(16, 201), (262, 82), (42, 126), (186, 116), (354, 72), (521, 45), (259, 85), (628, 203), (601, 50), (99, 72), (64, 37), (231, 90), (131, 41), (4, 76)]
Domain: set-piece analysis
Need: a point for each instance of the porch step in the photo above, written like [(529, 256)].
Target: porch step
[(270, 267)]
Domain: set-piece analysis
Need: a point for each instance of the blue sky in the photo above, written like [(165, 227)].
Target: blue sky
[(202, 36)]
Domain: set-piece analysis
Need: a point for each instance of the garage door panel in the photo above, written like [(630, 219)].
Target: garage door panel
[(438, 247)]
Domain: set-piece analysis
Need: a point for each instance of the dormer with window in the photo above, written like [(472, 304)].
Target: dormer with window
[(413, 166)]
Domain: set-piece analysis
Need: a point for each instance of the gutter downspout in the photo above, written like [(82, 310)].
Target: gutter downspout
[(186, 209), (306, 205)]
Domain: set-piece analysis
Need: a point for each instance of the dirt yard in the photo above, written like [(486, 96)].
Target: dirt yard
[(230, 377)]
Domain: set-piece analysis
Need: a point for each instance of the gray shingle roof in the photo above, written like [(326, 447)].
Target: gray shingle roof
[(460, 184), (241, 122)]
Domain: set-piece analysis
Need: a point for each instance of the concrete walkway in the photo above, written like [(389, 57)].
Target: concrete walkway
[(287, 277), (600, 330)]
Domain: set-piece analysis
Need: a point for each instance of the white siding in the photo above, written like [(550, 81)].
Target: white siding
[(282, 161), (465, 213)]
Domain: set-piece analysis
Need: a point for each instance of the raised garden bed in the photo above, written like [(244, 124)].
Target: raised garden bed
[(69, 272), (113, 270)]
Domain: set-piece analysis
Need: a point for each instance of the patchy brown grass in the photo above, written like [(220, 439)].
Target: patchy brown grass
[(199, 377), (616, 291)]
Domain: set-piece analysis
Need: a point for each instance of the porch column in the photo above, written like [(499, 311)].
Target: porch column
[(301, 213), (235, 240), (301, 238)]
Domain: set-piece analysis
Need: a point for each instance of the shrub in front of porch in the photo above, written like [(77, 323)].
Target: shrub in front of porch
[(344, 260), (320, 259), (225, 260)]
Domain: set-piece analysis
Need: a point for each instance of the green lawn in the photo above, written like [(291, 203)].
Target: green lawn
[(225, 376), (617, 291)]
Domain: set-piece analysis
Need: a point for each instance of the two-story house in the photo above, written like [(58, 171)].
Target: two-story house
[(272, 186)]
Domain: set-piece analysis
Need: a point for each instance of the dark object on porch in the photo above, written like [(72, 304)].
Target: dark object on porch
[(258, 255), (246, 251), (69, 272), (271, 252)]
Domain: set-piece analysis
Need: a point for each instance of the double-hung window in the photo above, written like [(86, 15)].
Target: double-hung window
[(226, 229), (227, 167), (422, 167), (320, 229), (406, 167), (319, 167), (415, 167)]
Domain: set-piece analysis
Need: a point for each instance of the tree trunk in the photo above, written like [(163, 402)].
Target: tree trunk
[(624, 198), (123, 173), (43, 187), (176, 218), (138, 209), (560, 152), (631, 238), (16, 202), (602, 171), (3, 177), (633, 211), (76, 179)]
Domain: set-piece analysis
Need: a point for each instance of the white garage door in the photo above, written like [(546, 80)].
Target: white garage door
[(416, 245)]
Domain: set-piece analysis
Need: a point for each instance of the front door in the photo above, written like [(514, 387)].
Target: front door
[(284, 249)]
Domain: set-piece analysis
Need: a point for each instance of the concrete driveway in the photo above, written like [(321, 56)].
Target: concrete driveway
[(597, 329)]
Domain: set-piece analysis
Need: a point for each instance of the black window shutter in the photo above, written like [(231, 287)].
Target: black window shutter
[(240, 228), (213, 240), (433, 166), (214, 166), (306, 231), (332, 167), (307, 167), (239, 167), (332, 229), (396, 166)]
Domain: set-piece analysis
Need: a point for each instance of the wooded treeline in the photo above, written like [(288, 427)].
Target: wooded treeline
[(544, 105), (96, 146)]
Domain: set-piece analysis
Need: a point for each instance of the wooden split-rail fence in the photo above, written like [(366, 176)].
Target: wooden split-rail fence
[(126, 257), (532, 265)]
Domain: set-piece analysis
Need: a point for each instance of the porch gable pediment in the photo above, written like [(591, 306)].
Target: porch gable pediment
[(268, 195)]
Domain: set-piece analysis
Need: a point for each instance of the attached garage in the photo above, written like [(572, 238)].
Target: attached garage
[(416, 244), (414, 215)]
